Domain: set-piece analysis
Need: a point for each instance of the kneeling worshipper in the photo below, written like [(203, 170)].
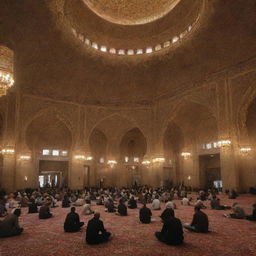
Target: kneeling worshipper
[(72, 222), (10, 225), (253, 216), (122, 209), (156, 203), (145, 214), (95, 232), (199, 223), (44, 212), (66, 202), (172, 231)]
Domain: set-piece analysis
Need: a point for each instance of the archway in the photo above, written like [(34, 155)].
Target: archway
[(133, 147), (50, 142)]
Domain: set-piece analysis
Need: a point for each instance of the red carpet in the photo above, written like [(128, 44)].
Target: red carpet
[(46, 237)]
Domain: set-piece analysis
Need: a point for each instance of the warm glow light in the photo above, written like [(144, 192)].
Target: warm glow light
[(186, 155), (146, 162), (223, 143), (158, 160), (26, 178), (6, 82), (79, 157), (128, 51), (112, 163), (245, 150), (25, 157), (189, 177), (88, 158), (7, 151)]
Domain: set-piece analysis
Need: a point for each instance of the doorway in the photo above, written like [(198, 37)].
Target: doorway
[(210, 172), (53, 173)]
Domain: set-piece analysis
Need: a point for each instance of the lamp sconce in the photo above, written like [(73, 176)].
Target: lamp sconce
[(186, 155), (112, 163), (189, 177), (88, 158), (8, 151), (24, 157), (224, 143), (158, 160), (245, 150), (26, 178), (79, 157)]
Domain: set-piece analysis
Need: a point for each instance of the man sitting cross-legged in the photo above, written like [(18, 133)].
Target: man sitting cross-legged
[(199, 223), (72, 222), (95, 232)]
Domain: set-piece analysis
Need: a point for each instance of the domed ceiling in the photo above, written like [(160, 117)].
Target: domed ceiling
[(66, 50), (131, 12)]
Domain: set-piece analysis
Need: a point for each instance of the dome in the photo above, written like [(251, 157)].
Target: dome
[(131, 12)]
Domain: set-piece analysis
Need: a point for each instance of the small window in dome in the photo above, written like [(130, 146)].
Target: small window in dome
[(136, 159), (121, 52), (149, 50), (209, 145), (87, 41), (175, 39), (158, 47), (95, 46), (112, 50), (167, 44), (103, 48), (102, 160), (130, 52), (81, 37), (139, 51)]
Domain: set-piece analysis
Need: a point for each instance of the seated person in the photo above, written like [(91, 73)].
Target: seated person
[(232, 194), (65, 202), (79, 202), (156, 203), (185, 201), (132, 203), (238, 212), (122, 209), (72, 222), (253, 216), (215, 204), (10, 225), (87, 208), (44, 212), (202, 195), (95, 232), (32, 206), (3, 210), (199, 223), (145, 214), (100, 200), (172, 231), (170, 204), (199, 203), (110, 207)]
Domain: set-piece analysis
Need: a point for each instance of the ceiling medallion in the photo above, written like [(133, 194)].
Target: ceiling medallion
[(131, 12)]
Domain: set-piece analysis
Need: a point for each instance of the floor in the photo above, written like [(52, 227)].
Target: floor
[(131, 238)]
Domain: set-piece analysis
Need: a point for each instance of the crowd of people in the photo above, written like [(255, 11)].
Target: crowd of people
[(118, 201)]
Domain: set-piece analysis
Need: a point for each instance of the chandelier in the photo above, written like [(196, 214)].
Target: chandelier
[(6, 67)]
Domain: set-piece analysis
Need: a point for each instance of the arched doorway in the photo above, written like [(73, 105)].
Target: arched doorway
[(133, 147), (49, 140)]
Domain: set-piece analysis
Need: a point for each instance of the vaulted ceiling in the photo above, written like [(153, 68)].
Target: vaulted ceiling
[(52, 58)]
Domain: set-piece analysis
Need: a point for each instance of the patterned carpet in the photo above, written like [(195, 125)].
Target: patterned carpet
[(130, 238)]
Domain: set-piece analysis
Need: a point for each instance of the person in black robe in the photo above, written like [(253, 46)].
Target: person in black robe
[(95, 232), (10, 225), (132, 203), (199, 223), (72, 222), (145, 214), (32, 206), (44, 212), (253, 216), (172, 230), (65, 202), (122, 209)]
